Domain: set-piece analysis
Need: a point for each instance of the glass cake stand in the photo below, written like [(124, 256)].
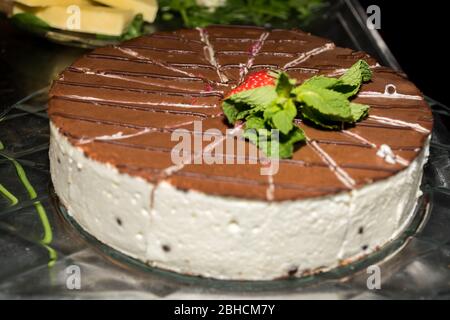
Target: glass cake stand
[(40, 245)]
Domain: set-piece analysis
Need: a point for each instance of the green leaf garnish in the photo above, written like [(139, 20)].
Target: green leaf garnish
[(230, 111), (359, 111), (320, 100), (321, 82), (255, 123), (350, 82), (135, 29), (331, 104), (284, 85), (260, 97)]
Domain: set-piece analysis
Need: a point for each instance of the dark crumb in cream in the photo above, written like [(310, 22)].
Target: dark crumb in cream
[(292, 271)]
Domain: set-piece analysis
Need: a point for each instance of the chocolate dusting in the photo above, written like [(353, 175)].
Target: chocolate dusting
[(168, 80)]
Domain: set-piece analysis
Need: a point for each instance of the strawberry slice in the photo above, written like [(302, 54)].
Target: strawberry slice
[(255, 80)]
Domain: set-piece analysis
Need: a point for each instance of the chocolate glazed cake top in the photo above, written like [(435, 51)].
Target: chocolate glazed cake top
[(147, 87)]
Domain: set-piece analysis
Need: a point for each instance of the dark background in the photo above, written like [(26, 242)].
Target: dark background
[(417, 33)]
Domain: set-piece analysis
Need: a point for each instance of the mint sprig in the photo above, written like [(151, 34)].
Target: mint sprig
[(276, 13), (321, 101)]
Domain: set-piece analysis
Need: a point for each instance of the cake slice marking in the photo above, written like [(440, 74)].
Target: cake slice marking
[(124, 76), (306, 55), (341, 71), (341, 174), (390, 92), (116, 136), (146, 103), (210, 54), (254, 51), (395, 158), (149, 61), (270, 192), (399, 123), (138, 56), (111, 104)]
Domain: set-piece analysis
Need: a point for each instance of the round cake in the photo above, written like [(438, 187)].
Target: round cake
[(342, 195)]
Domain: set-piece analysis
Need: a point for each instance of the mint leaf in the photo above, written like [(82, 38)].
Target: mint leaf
[(330, 104), (357, 73), (359, 111), (321, 82), (261, 97), (283, 118), (238, 111), (282, 121), (252, 135), (284, 85), (255, 123), (271, 111), (290, 108), (350, 82), (287, 142), (296, 135), (283, 147), (280, 115), (319, 119), (260, 137), (230, 111)]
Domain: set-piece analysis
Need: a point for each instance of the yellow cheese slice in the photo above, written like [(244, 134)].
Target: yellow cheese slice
[(47, 3), (148, 8), (89, 19)]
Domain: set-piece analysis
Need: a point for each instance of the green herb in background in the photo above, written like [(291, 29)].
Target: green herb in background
[(276, 13), (30, 22), (135, 29), (188, 13)]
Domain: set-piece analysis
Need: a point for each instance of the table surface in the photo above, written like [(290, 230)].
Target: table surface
[(37, 246)]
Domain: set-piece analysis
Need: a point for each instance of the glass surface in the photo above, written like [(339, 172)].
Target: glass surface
[(37, 245)]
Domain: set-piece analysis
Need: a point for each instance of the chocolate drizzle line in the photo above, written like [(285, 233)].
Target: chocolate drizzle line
[(254, 51), (123, 75), (306, 55), (145, 91), (133, 107), (138, 56), (134, 77), (370, 144), (334, 167), (210, 54), (145, 103)]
